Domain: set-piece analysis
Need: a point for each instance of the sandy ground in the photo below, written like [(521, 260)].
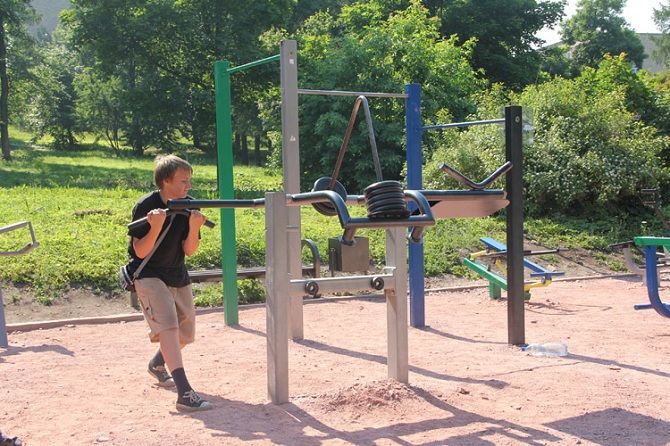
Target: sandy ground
[(82, 385)]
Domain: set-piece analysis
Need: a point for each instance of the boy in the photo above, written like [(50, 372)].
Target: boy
[(163, 286)]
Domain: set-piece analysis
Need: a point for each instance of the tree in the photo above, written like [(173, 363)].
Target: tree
[(505, 30), (366, 48), (98, 105), (164, 51), (598, 28), (52, 105), (14, 15), (662, 20)]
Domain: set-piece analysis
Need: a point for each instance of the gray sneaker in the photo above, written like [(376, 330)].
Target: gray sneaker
[(163, 377), (192, 402)]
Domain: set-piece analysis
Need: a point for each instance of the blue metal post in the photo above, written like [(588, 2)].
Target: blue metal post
[(414, 181)]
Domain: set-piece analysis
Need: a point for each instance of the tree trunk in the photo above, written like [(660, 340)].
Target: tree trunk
[(245, 150), (135, 135), (4, 94), (236, 146), (257, 149), (197, 142)]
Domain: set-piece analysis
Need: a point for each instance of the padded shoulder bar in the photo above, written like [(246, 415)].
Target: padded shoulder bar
[(456, 175)]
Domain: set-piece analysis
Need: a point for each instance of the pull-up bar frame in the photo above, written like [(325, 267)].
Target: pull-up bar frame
[(369, 94), (225, 182), (463, 124)]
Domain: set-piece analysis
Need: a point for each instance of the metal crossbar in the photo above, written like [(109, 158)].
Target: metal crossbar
[(352, 93)]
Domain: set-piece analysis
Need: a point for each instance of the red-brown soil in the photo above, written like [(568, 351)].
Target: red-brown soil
[(87, 384)]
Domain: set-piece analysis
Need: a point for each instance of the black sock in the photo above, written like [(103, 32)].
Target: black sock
[(157, 359), (179, 377)]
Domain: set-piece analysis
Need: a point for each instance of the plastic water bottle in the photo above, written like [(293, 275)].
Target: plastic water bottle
[(546, 349)]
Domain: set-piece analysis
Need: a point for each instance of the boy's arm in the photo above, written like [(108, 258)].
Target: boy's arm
[(192, 241), (144, 245)]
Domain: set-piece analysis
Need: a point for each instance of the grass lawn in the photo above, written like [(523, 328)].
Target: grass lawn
[(80, 201)]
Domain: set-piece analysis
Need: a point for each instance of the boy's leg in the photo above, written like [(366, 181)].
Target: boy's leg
[(170, 348), (188, 399), (170, 315), (158, 310)]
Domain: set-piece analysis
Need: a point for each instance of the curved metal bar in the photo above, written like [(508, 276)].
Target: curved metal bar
[(455, 174), (316, 258), (421, 201), (320, 197), (25, 249), (416, 223), (661, 307), (347, 136), (416, 232)]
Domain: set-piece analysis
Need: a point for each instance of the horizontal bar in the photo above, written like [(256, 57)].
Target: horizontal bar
[(13, 226), (438, 195), (221, 204), (653, 241), (369, 94), (649, 306), (485, 273), (253, 64), (525, 253), (463, 124), (338, 284)]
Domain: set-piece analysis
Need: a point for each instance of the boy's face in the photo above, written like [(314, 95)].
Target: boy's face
[(177, 186)]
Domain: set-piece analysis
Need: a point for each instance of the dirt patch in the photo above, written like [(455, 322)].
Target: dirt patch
[(22, 306), (87, 384)]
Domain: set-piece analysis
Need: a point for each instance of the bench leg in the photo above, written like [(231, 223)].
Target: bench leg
[(494, 291), (4, 343), (134, 301)]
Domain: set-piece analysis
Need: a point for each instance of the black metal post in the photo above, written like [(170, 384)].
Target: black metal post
[(516, 332)]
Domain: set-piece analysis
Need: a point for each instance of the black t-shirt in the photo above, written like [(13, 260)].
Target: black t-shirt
[(167, 263)]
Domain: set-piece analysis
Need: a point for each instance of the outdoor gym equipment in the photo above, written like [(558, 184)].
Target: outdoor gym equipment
[(331, 182), (650, 245), (496, 250), (650, 198), (283, 287), (24, 250), (476, 202), (458, 203), (285, 290)]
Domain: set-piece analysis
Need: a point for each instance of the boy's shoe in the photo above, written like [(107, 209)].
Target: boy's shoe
[(163, 377), (192, 402)]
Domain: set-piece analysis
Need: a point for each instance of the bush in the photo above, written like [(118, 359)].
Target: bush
[(588, 151)]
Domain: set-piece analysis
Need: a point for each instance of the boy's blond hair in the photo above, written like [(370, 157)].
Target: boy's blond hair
[(166, 165)]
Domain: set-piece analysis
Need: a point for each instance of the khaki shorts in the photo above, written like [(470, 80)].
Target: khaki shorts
[(167, 307)]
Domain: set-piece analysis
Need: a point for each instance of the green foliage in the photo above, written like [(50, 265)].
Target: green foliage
[(367, 49), (641, 92), (99, 106), (505, 32), (588, 151), (249, 291), (53, 98), (662, 21), (598, 28)]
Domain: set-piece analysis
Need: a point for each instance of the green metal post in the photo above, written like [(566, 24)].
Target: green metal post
[(494, 291), (224, 144)]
